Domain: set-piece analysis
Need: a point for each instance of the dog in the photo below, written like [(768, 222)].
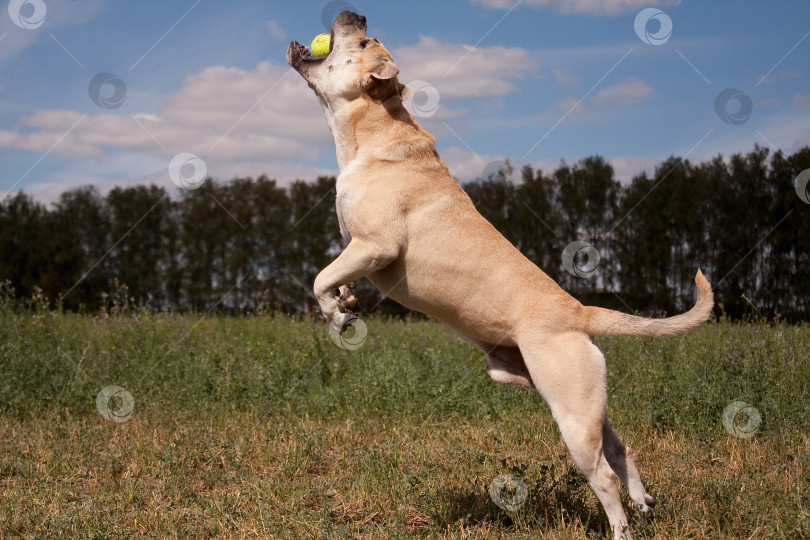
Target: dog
[(412, 231)]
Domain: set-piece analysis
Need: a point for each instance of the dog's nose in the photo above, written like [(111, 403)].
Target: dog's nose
[(350, 18)]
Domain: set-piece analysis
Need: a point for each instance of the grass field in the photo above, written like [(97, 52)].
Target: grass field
[(261, 427)]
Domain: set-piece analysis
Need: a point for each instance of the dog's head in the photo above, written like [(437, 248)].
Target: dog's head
[(356, 65)]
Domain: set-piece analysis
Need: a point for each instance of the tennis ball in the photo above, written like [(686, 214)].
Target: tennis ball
[(320, 45)]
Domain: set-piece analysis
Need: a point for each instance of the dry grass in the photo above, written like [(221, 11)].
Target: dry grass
[(244, 475)]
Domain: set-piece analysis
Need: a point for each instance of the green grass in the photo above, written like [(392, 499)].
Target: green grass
[(261, 427)]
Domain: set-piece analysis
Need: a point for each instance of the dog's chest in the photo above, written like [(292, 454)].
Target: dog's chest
[(344, 199), (340, 209)]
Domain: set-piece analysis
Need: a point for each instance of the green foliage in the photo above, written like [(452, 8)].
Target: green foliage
[(60, 362), (250, 245)]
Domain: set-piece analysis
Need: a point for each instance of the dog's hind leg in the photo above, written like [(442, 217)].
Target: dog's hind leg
[(570, 373), (619, 457)]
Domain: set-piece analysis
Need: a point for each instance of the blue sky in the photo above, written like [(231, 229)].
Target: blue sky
[(535, 81)]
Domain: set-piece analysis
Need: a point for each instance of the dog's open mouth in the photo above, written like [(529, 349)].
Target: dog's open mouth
[(300, 53)]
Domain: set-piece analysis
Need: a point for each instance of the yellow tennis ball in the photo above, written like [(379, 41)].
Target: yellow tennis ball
[(320, 45)]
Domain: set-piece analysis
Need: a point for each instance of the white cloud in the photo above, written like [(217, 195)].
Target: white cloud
[(248, 122), (623, 94), (229, 114), (580, 7), (240, 122), (265, 120), (221, 113), (462, 71)]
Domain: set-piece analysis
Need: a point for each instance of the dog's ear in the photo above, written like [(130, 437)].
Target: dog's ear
[(378, 81), (389, 70), (386, 70)]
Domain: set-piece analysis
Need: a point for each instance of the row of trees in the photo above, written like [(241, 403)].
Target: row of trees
[(249, 244), (741, 220)]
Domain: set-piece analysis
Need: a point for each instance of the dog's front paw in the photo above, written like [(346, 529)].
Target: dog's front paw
[(347, 300)]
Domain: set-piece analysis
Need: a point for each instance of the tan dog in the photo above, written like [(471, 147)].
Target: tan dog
[(415, 234)]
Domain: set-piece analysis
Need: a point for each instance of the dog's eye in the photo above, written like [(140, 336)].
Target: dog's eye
[(364, 43)]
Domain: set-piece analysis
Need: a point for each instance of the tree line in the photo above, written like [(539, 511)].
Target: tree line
[(249, 244)]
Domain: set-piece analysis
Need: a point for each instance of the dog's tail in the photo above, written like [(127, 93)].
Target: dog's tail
[(606, 322)]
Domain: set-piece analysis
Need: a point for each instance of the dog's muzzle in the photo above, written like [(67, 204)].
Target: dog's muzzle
[(345, 23)]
